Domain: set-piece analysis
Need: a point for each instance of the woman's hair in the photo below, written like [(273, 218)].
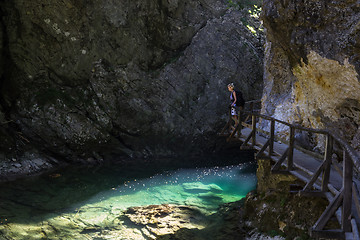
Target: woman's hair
[(231, 85)]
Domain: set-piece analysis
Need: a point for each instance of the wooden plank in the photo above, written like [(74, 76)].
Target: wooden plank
[(291, 148), (356, 199), (253, 130), (327, 160), (272, 137), (347, 185), (235, 129), (246, 125), (247, 139), (329, 212), (240, 125), (312, 194), (263, 148), (299, 176), (314, 177), (308, 152), (337, 168), (285, 172), (333, 190), (330, 198), (355, 158), (327, 234), (355, 229), (277, 165)]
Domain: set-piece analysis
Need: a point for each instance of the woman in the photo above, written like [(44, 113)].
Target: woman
[(236, 100)]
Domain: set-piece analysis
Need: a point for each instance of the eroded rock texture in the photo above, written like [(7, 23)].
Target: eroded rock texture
[(312, 65), (87, 81)]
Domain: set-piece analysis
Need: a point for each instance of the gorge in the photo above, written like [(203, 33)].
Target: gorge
[(92, 82)]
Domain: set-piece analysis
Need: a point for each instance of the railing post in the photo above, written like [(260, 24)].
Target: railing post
[(253, 117), (272, 137), (240, 122), (327, 159), (291, 148), (347, 185)]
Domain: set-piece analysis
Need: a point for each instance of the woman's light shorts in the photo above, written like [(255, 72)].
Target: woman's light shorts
[(233, 111)]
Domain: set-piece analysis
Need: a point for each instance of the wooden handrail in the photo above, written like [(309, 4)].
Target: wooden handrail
[(296, 126), (351, 162), (352, 153)]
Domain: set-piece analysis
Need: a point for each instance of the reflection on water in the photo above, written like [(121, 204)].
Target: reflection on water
[(206, 188), (67, 203)]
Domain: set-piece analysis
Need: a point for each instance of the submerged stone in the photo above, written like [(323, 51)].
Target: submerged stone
[(166, 219), (198, 187)]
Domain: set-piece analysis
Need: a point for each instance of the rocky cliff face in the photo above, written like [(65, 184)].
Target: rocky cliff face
[(87, 81), (312, 64)]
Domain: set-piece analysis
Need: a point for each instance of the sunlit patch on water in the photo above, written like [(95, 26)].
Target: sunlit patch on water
[(206, 188), (56, 208)]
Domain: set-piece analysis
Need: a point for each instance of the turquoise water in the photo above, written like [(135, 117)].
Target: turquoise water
[(72, 200), (204, 187)]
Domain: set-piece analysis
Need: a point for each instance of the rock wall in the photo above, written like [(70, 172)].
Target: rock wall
[(88, 81), (312, 65)]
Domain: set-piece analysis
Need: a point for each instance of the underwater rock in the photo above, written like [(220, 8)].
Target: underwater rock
[(211, 198), (166, 219), (189, 223), (199, 187)]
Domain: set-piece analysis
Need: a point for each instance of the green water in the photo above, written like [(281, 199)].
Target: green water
[(63, 204)]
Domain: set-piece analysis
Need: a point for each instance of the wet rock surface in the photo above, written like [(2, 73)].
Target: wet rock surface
[(165, 219), (148, 222), (87, 82)]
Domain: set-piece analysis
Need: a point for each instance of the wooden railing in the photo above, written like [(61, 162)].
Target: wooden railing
[(339, 199)]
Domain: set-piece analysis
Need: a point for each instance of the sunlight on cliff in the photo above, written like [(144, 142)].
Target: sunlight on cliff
[(255, 12), (323, 85), (320, 95), (252, 29)]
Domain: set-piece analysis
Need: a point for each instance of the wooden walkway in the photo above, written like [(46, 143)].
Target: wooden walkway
[(321, 174)]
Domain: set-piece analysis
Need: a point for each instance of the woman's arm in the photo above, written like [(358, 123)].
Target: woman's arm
[(234, 94)]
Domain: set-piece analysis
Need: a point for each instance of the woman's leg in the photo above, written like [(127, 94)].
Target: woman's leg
[(234, 115)]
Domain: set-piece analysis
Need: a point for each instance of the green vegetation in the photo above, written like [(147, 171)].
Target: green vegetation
[(274, 233), (241, 4), (283, 201), (251, 10)]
